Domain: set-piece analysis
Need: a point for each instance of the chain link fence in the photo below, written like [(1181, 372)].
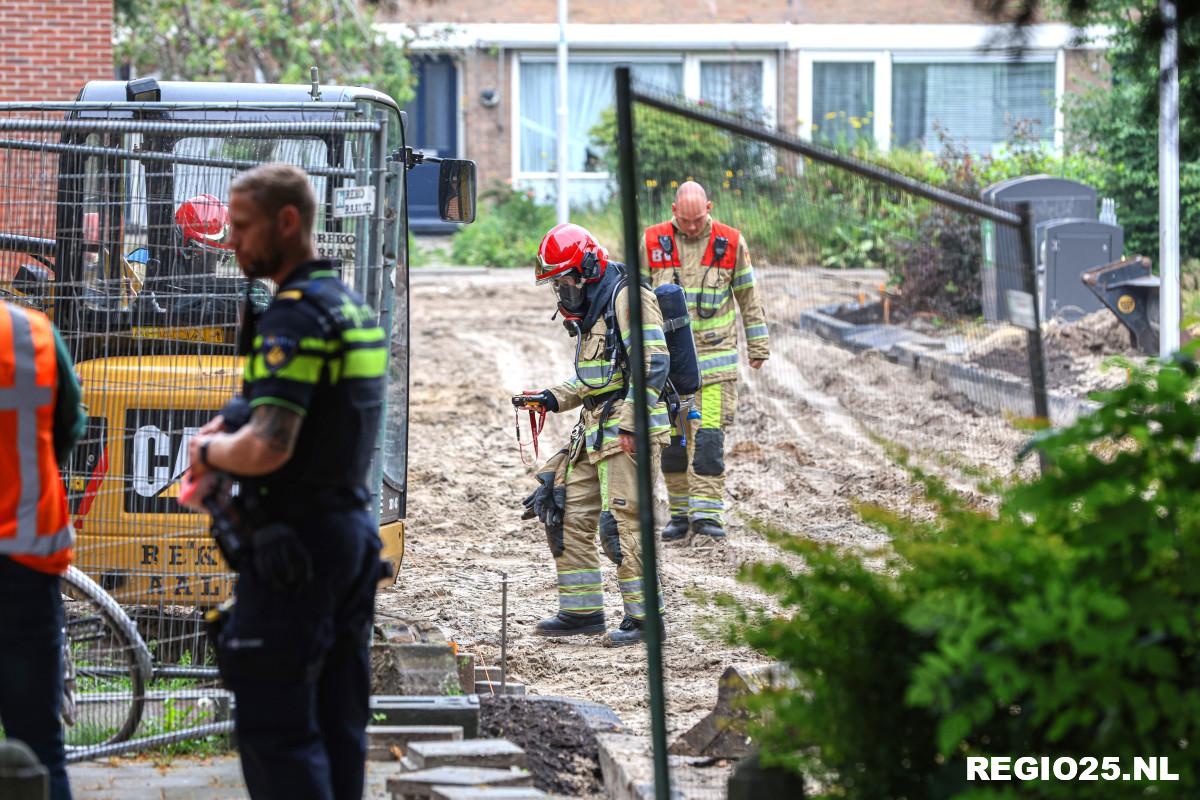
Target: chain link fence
[(900, 324), (113, 221)]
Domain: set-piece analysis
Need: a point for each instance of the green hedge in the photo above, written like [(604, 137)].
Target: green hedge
[(1065, 623)]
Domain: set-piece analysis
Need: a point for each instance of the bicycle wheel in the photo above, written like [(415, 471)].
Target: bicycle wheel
[(107, 667)]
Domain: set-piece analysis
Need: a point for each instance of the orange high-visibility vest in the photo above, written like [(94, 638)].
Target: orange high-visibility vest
[(35, 526), (662, 252)]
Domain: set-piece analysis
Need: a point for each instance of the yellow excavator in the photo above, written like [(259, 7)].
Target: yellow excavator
[(111, 222)]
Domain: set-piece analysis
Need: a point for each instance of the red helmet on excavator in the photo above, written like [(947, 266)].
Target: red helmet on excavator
[(202, 231), (570, 247)]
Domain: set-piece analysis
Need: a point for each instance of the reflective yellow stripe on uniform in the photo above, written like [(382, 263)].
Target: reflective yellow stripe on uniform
[(714, 322), (710, 406), (720, 361), (364, 363), (302, 369), (580, 591), (634, 598)]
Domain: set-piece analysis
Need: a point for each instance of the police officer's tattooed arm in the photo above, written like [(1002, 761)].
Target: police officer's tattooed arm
[(259, 448)]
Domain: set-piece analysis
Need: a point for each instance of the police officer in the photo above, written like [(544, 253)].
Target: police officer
[(295, 648), (598, 486), (711, 262)]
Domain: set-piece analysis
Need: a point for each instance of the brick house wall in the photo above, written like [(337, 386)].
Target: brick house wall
[(48, 51), (897, 12), (788, 36)]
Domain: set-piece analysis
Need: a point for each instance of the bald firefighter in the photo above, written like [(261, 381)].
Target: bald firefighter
[(592, 485), (711, 262)]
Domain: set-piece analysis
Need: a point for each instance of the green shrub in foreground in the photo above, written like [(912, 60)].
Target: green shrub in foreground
[(1065, 624)]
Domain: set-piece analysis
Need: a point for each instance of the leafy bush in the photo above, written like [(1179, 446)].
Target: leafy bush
[(506, 232), (1062, 624), (939, 269)]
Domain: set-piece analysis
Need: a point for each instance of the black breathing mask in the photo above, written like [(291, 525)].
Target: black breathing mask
[(572, 298)]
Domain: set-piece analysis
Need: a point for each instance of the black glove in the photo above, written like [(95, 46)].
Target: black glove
[(547, 503), (543, 502), (545, 397), (280, 558)]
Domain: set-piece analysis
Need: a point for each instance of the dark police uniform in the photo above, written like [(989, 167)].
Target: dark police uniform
[(297, 661)]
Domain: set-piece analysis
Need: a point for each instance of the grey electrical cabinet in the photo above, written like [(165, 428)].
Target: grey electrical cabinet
[(1071, 246), (1049, 198)]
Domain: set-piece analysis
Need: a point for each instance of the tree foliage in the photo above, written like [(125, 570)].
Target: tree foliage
[(1119, 125), (240, 40)]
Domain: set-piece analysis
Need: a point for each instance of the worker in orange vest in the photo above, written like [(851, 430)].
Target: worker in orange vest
[(40, 423), (711, 262)]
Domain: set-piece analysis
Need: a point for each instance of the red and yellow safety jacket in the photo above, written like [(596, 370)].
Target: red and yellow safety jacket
[(717, 278), (35, 527)]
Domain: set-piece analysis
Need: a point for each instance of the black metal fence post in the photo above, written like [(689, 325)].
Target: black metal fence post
[(650, 588), (1037, 363)]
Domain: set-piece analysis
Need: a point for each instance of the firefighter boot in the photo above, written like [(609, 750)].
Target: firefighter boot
[(630, 632), (564, 624), (676, 529), (708, 527)]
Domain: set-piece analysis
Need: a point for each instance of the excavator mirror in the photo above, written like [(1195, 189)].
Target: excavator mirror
[(456, 190)]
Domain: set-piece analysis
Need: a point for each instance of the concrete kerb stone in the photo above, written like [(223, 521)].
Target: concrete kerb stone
[(495, 753), (473, 793), (391, 742), (997, 393), (430, 710), (420, 784), (627, 764)]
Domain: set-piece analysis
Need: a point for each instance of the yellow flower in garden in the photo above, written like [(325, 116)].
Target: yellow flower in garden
[(674, 184), (725, 184), (830, 115), (854, 123), (651, 183), (728, 173)]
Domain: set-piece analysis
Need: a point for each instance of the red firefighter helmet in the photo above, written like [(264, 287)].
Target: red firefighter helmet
[(203, 222), (570, 247)]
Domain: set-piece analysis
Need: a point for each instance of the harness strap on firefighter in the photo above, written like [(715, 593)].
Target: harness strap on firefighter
[(605, 413)]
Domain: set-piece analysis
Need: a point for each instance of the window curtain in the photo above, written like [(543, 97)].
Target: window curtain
[(734, 86), (590, 90), (979, 104), (843, 101)]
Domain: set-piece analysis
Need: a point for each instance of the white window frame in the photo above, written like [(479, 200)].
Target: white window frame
[(770, 81), (690, 62), (881, 119)]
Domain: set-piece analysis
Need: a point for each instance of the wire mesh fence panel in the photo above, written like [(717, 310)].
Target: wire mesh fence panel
[(114, 221), (849, 319)]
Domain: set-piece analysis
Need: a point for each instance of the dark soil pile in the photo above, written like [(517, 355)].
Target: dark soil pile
[(1075, 353), (558, 736)]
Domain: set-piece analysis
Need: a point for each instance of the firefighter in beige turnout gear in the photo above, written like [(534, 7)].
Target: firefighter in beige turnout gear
[(592, 485), (711, 262)]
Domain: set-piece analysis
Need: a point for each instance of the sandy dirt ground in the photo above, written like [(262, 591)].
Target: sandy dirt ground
[(807, 444)]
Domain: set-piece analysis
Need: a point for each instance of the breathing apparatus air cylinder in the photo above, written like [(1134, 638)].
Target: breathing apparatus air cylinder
[(677, 325)]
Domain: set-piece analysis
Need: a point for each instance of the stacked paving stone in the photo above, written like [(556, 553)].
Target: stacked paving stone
[(452, 768)]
